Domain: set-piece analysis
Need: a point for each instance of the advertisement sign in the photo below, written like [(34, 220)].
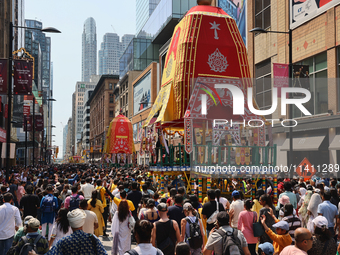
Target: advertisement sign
[(237, 9), (2, 135), (39, 123), (22, 77), (27, 123), (303, 10), (281, 74), (142, 94), (26, 110), (3, 76)]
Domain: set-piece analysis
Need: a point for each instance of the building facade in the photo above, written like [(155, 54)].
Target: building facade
[(65, 133), (86, 121), (144, 8), (315, 45), (78, 110), (68, 150), (144, 89), (102, 107), (89, 50)]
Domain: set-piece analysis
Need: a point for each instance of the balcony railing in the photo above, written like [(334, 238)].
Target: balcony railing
[(207, 155)]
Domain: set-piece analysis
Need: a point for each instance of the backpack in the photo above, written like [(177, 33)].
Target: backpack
[(74, 203), (195, 239), (48, 204), (29, 246), (133, 252), (231, 245), (99, 195)]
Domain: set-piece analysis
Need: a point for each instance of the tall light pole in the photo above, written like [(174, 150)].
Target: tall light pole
[(290, 67), (9, 87)]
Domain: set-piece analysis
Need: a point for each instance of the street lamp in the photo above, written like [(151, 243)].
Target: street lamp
[(290, 49), (9, 87)]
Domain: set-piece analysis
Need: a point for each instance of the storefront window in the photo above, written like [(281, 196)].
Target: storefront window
[(318, 85), (263, 85)]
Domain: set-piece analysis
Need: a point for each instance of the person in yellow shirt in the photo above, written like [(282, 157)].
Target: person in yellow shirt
[(282, 238), (102, 198), (257, 206), (123, 198)]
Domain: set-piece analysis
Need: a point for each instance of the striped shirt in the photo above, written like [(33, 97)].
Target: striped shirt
[(294, 223)]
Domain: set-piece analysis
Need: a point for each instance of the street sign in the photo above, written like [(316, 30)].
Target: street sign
[(305, 169), (26, 110)]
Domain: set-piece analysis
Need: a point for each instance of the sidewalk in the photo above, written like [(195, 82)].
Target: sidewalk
[(107, 241)]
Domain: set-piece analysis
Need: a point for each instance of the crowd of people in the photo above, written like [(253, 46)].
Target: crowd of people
[(63, 209)]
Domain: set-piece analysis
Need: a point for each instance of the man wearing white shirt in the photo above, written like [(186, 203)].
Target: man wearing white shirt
[(91, 220), (87, 188), (10, 221), (236, 207)]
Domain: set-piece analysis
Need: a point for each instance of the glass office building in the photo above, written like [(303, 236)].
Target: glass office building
[(138, 55), (164, 18), (144, 8)]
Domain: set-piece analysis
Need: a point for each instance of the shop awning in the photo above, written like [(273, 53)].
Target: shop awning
[(304, 143), (335, 144), (163, 104)]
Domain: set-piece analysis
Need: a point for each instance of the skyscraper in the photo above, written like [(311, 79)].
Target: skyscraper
[(89, 50), (110, 53), (126, 39), (144, 8)]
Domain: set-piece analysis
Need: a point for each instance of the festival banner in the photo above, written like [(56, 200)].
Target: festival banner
[(39, 123), (3, 76), (22, 77), (281, 76)]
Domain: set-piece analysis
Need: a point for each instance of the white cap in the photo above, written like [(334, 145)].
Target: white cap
[(321, 222)]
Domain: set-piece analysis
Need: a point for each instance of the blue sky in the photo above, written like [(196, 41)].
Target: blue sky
[(68, 16)]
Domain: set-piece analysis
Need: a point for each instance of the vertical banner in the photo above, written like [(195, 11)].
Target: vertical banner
[(39, 123), (27, 123), (281, 76), (26, 110), (22, 77), (3, 76)]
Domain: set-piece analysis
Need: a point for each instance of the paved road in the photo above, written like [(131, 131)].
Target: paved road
[(107, 241)]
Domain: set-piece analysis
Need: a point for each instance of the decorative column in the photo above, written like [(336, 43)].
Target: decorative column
[(275, 190), (192, 186), (208, 183), (162, 182), (200, 198), (253, 192), (264, 183)]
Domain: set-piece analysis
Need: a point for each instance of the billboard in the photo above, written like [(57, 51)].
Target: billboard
[(303, 10), (237, 9), (142, 94)]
